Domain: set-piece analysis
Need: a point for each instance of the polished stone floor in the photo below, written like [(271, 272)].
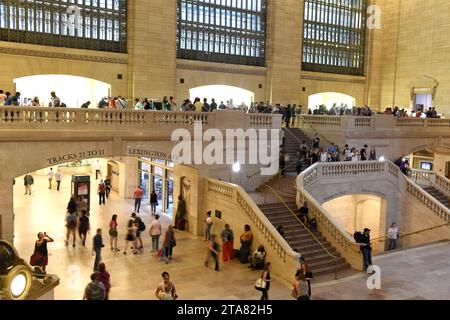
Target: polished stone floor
[(420, 273)]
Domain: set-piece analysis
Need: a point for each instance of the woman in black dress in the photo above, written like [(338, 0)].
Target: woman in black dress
[(40, 255)]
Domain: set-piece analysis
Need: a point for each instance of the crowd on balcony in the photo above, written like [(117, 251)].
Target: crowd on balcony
[(403, 113), (342, 110)]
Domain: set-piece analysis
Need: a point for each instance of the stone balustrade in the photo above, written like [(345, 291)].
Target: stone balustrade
[(332, 231), (68, 118), (430, 178), (372, 123), (237, 209)]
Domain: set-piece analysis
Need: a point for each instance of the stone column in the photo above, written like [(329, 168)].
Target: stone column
[(152, 32), (6, 210), (283, 50)]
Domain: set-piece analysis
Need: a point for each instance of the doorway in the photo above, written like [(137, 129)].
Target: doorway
[(422, 101)]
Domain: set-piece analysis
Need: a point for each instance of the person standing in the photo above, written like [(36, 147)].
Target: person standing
[(50, 176), (58, 177), (71, 225), (40, 255), (138, 194), (104, 277), (101, 192), (392, 236), (266, 278), (372, 154), (97, 248), (108, 186), (153, 202), (83, 227), (95, 290), (179, 216), (366, 249), (208, 223), (246, 242), (131, 238), (316, 142), (168, 243), (227, 243), (213, 105), (155, 233), (113, 233), (213, 251), (28, 181), (363, 153), (308, 275), (166, 289), (55, 101)]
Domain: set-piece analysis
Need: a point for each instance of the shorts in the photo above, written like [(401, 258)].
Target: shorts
[(129, 237), (113, 233)]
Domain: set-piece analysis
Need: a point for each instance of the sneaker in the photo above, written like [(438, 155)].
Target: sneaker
[(135, 252), (112, 248), (73, 245), (124, 252), (117, 249)]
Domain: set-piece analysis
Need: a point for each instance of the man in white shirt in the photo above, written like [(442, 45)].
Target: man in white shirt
[(392, 236), (208, 222), (138, 105), (50, 175), (155, 233), (56, 102)]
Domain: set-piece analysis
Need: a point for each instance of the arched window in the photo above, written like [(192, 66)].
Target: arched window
[(82, 24), (228, 31), (334, 36)]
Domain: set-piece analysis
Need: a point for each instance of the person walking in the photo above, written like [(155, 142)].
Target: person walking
[(140, 228), (266, 278), (113, 233), (72, 206), (227, 243), (83, 227), (108, 186), (40, 254), (392, 236), (213, 251), (130, 238), (138, 194), (50, 176), (208, 223), (155, 233), (95, 290), (97, 246), (104, 277), (168, 243), (101, 192), (28, 181), (166, 290), (58, 178), (97, 169), (153, 202), (300, 291), (71, 225)]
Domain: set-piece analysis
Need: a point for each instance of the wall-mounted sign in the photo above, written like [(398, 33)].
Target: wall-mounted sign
[(71, 157), (149, 153)]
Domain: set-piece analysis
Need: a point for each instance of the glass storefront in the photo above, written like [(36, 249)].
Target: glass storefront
[(157, 175)]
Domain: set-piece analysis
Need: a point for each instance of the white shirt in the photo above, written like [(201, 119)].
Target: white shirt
[(155, 228), (58, 176), (208, 220), (139, 106), (323, 157), (393, 233), (354, 157), (50, 175)]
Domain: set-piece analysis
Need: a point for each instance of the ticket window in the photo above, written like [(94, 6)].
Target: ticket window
[(81, 191)]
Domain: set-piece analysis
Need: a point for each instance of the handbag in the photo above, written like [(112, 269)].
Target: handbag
[(260, 284)]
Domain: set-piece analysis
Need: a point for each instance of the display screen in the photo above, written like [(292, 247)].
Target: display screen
[(426, 165), (83, 188)]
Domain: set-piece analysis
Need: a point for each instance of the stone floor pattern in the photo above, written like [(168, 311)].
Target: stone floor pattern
[(420, 273)]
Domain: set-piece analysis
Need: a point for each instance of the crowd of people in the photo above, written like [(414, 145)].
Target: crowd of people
[(403, 113)]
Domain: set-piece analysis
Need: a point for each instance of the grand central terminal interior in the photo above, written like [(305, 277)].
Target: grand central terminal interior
[(224, 150)]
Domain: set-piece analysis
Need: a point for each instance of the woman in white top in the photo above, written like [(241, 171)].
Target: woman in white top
[(323, 156), (166, 289), (155, 233), (392, 236), (354, 155)]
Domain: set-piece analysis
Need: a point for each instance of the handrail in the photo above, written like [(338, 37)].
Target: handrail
[(315, 131), (414, 232), (306, 228)]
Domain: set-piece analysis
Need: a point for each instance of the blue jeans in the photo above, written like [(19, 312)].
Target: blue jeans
[(392, 244), (367, 257), (97, 258), (208, 232), (153, 206), (155, 242), (137, 204)]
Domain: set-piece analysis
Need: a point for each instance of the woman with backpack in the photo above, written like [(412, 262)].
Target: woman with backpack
[(71, 225), (83, 227), (140, 228)]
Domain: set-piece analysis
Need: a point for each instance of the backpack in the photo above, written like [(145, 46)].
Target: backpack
[(95, 292), (141, 224), (101, 187), (358, 237), (72, 223)]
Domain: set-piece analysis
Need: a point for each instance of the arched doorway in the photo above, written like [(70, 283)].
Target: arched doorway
[(223, 93), (72, 90), (330, 99)]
